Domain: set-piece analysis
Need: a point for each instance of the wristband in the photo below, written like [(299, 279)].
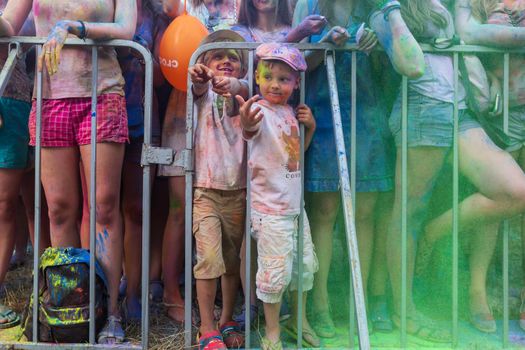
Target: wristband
[(386, 11), (83, 31)]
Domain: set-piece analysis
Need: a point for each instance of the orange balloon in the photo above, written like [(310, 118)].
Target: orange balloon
[(179, 42)]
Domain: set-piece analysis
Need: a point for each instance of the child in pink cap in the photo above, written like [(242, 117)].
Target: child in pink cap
[(271, 127)]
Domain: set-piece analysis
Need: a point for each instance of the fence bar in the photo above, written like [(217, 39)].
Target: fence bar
[(346, 195), (455, 211), (146, 200), (248, 239), (38, 197), (9, 66), (353, 176), (506, 228), (92, 195), (54, 346), (300, 238), (404, 204), (188, 296)]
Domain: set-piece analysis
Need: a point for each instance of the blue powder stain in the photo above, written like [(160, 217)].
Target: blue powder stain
[(101, 241)]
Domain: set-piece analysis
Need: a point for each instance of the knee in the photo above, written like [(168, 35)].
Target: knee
[(132, 211), (273, 277), (516, 199), (107, 209), (7, 209), (61, 211)]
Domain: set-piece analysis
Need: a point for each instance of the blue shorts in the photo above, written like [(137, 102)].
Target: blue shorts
[(430, 121), (14, 134)]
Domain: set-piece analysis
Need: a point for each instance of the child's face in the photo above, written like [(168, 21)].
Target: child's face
[(225, 63), (264, 5), (276, 81)]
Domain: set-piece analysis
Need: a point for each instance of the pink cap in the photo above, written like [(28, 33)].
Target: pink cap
[(282, 52)]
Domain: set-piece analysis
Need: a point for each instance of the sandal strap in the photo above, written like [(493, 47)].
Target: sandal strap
[(212, 340)]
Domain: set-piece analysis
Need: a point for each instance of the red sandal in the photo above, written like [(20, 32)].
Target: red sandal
[(232, 335), (211, 341)]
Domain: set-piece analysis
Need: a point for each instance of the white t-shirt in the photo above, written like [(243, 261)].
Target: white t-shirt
[(274, 155), (220, 153)]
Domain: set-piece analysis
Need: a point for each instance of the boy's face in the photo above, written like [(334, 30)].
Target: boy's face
[(225, 63), (276, 81)]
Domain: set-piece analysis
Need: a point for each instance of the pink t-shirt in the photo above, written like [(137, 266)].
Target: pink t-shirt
[(220, 152), (274, 155), (73, 78)]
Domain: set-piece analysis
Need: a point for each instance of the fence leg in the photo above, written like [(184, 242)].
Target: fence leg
[(346, 194)]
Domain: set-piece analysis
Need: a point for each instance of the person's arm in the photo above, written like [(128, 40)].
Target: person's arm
[(473, 32), (397, 40), (14, 16), (173, 8), (310, 25), (122, 28), (200, 76), (305, 117)]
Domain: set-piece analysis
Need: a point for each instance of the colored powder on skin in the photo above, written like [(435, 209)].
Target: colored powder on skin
[(102, 237)]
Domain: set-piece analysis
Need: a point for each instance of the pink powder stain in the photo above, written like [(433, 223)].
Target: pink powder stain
[(36, 8)]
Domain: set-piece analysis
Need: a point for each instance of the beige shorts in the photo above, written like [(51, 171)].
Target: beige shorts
[(218, 227), (174, 131), (277, 255)]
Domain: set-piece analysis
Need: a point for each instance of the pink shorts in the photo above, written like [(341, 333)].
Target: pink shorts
[(66, 122)]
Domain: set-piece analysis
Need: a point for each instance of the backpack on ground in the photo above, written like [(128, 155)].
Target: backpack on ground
[(64, 297)]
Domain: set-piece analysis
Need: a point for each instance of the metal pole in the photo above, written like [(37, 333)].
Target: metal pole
[(300, 238), (92, 196), (248, 236), (506, 227), (9, 66), (455, 211), (346, 194), (353, 172), (404, 211), (146, 200), (38, 198), (188, 219)]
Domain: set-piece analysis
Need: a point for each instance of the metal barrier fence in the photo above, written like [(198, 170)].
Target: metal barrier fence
[(152, 155), (14, 45)]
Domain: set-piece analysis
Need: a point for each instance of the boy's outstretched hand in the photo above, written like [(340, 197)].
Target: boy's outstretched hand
[(249, 118), (200, 74), (225, 86), (305, 116)]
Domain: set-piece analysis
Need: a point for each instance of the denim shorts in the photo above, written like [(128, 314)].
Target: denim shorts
[(516, 135), (14, 134), (430, 121)]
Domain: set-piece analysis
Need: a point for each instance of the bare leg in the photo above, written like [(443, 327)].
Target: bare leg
[(22, 235), (424, 164), (159, 214), (322, 211), (109, 225), (84, 220), (498, 177), (60, 178), (132, 213), (10, 180), (271, 316), (28, 196), (379, 271), (229, 287), (173, 248), (206, 291)]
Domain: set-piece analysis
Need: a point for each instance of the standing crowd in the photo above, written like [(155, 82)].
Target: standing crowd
[(236, 134)]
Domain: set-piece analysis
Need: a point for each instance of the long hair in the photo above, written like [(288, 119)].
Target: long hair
[(481, 9), (248, 13), (417, 13)]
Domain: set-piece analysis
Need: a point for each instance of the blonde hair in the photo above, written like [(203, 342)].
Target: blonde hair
[(416, 14), (481, 9)]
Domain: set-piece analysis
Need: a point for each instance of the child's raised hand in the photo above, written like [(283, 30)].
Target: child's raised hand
[(200, 74), (305, 116), (222, 86), (249, 118)]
